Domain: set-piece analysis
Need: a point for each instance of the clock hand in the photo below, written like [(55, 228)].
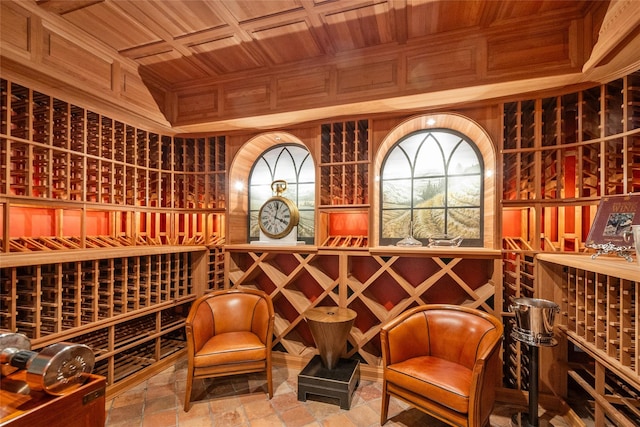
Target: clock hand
[(275, 214)]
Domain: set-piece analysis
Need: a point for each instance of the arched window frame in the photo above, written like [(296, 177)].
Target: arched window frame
[(477, 241), (304, 200)]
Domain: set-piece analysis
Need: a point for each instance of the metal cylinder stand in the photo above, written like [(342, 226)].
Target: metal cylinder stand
[(530, 419), (534, 318)]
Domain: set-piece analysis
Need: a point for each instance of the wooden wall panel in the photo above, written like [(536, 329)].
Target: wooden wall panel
[(313, 84), (370, 76), (542, 47), (197, 104), (76, 61), (15, 28), (133, 88), (253, 96), (426, 69)]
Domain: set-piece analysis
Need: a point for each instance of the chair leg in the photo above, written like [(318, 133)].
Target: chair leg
[(269, 379), (187, 395), (385, 404)]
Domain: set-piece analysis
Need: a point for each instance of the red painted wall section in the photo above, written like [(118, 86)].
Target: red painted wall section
[(98, 223), (31, 222), (37, 222), (349, 224), (511, 226), (71, 224)]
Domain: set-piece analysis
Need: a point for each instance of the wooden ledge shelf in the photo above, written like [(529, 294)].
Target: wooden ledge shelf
[(52, 257), (258, 247), (444, 252), (604, 264), (459, 252)]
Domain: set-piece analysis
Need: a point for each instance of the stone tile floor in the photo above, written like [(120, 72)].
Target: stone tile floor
[(241, 401)]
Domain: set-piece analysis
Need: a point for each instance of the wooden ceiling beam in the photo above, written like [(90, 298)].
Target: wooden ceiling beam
[(132, 9), (61, 7)]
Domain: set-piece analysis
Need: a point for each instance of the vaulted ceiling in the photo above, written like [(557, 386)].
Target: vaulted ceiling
[(212, 64), (183, 42)]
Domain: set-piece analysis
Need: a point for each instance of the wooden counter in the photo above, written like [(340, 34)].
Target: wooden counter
[(597, 330), (82, 407)]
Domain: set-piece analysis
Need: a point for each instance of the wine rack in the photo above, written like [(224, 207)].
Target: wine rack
[(215, 270), (344, 175), (377, 283), (56, 150), (560, 155), (54, 298), (131, 345), (598, 330), (344, 163), (149, 295), (70, 154), (106, 229)]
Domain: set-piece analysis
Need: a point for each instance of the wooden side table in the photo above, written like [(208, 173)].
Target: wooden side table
[(328, 375), (330, 328)]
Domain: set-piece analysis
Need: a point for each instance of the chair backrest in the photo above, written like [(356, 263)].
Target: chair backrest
[(455, 333), (460, 336), (231, 311)]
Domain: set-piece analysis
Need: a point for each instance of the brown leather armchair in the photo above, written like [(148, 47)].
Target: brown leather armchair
[(444, 360), (229, 332)]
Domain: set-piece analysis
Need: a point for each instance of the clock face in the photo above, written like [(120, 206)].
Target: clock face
[(277, 217)]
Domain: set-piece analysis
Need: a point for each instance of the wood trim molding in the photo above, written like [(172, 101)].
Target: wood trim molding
[(621, 21), (459, 123)]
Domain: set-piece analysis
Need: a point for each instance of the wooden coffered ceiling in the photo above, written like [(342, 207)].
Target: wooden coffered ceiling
[(222, 64)]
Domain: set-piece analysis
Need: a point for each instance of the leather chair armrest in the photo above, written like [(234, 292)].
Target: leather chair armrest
[(263, 318), (199, 325), (484, 382)]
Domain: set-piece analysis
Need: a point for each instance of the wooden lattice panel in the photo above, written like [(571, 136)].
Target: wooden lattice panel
[(378, 284)]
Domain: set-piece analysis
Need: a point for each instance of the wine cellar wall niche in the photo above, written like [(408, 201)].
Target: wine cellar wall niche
[(561, 155), (343, 214), (108, 231)]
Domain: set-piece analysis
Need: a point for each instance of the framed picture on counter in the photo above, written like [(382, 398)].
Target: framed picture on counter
[(614, 218)]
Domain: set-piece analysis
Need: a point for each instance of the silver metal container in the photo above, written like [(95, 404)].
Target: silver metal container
[(534, 319), (60, 368)]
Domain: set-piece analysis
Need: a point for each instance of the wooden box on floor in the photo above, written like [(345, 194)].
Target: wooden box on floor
[(82, 407)]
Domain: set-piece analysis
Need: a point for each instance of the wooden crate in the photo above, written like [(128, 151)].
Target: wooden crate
[(82, 407)]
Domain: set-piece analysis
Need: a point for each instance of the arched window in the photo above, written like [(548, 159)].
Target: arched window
[(292, 163), (433, 180)]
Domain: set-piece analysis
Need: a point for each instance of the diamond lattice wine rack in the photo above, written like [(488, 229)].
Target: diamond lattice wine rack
[(378, 283)]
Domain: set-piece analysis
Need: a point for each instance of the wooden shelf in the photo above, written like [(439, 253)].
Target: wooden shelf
[(344, 163), (599, 312), (104, 239)]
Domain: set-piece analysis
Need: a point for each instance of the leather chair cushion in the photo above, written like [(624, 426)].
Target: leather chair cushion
[(445, 382), (231, 347)]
